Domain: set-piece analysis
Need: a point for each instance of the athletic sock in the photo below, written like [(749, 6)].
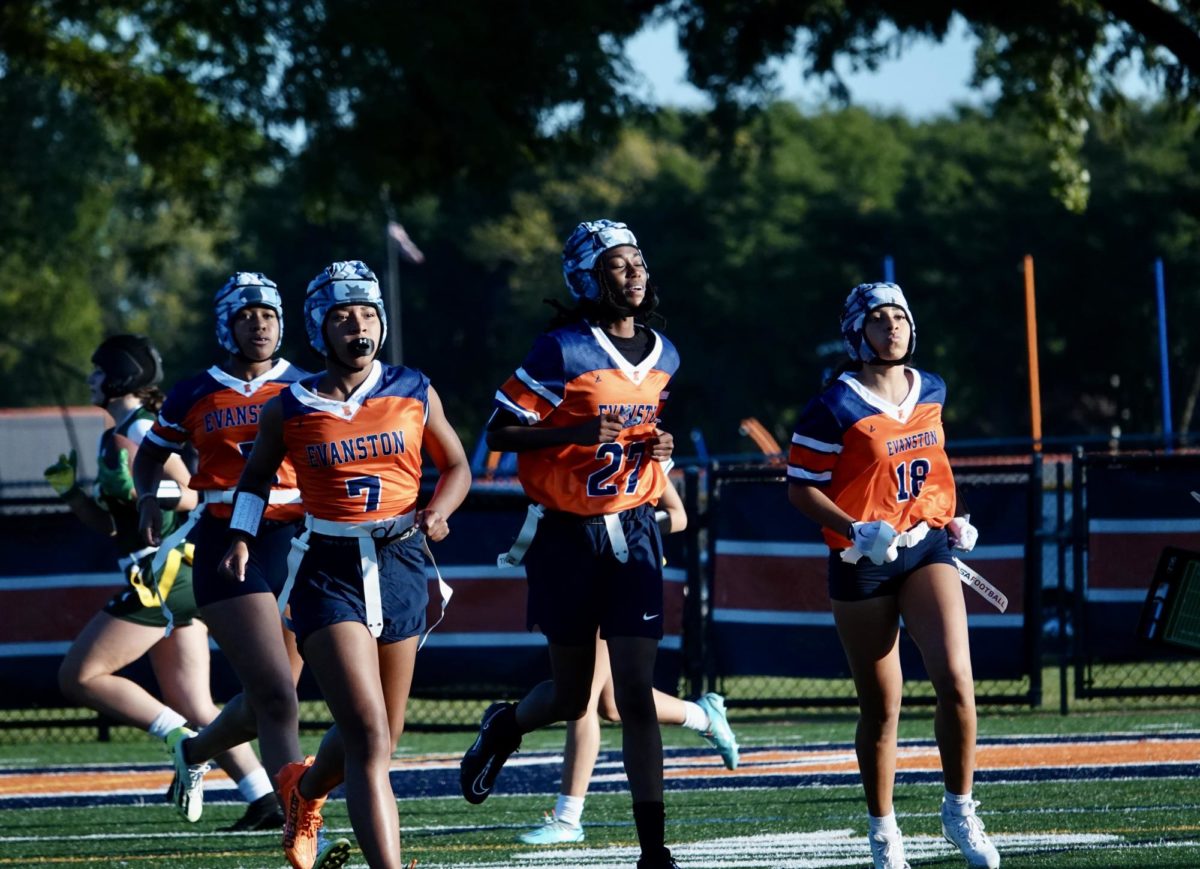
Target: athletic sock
[(166, 721), (695, 718), (957, 804), (569, 809), (651, 821), (255, 786), (886, 824)]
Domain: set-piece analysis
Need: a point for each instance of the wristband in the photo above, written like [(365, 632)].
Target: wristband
[(142, 497), (663, 518), (247, 513)]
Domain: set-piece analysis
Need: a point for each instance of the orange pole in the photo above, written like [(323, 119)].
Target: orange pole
[(1035, 390)]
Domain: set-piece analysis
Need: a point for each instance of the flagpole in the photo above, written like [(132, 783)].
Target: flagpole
[(395, 321)]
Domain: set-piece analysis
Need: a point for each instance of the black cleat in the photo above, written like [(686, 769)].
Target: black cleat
[(497, 739), (262, 814)]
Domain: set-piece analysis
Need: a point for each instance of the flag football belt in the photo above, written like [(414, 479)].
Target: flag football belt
[(367, 534), (536, 513), (911, 537), (215, 496), (163, 570)]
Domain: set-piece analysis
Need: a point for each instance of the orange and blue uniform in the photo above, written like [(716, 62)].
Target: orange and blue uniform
[(572, 375), (358, 466), (218, 414), (876, 460), (596, 557)]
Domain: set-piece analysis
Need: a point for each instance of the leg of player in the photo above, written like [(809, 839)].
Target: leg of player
[(367, 694), (936, 618), (268, 672), (870, 633), (181, 666), (633, 676)]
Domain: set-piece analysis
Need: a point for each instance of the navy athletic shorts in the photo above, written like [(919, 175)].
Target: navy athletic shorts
[(864, 580), (329, 587), (266, 571), (576, 583)]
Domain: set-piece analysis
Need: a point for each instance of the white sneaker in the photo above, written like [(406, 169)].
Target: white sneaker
[(887, 850), (187, 788), (552, 832), (966, 833)]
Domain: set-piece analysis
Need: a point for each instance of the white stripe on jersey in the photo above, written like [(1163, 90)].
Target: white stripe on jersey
[(801, 474), (537, 387), (166, 445), (165, 423), (817, 446), (526, 416)]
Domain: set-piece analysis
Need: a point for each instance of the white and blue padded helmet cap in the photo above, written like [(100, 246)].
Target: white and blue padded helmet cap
[(245, 290), (584, 247), (862, 300), (341, 283)]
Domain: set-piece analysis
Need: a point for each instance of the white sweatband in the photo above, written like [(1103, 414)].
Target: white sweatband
[(663, 518), (247, 512)]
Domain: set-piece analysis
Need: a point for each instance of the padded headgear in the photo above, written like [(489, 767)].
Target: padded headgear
[(584, 247), (341, 283), (129, 363), (244, 290), (862, 300)]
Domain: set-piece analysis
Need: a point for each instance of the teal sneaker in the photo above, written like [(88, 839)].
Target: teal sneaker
[(552, 832), (719, 735), (187, 788)]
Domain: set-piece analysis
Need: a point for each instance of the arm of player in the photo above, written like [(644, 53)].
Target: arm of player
[(506, 434), (671, 515), (454, 471), (147, 474), (62, 476), (254, 488), (819, 507)]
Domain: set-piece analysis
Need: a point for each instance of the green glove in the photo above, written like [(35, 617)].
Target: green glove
[(116, 482), (61, 475)]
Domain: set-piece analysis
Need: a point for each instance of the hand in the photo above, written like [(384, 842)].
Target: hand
[(604, 429), (963, 535), (62, 474), (433, 525), (233, 565), (662, 445), (150, 521), (116, 482), (875, 540)]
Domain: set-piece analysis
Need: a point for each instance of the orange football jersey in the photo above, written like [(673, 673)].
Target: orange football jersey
[(358, 460), (874, 459), (575, 374), (218, 413)]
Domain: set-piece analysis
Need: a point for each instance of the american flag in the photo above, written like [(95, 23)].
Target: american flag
[(409, 252)]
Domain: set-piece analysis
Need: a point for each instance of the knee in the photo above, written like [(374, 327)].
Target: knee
[(570, 703), (881, 713), (368, 741), (956, 691), (607, 709), (70, 680), (635, 703), (277, 704)]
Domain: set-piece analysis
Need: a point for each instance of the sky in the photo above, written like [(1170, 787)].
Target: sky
[(925, 81)]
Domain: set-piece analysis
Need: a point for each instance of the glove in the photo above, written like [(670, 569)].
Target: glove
[(875, 540), (962, 533), (116, 482), (61, 475)]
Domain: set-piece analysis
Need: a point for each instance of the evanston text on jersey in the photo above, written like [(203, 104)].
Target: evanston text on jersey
[(225, 417), (912, 442), (370, 446), (631, 414)]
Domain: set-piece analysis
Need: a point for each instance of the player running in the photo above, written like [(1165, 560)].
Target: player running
[(217, 412), (355, 434), (582, 415), (868, 463)]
